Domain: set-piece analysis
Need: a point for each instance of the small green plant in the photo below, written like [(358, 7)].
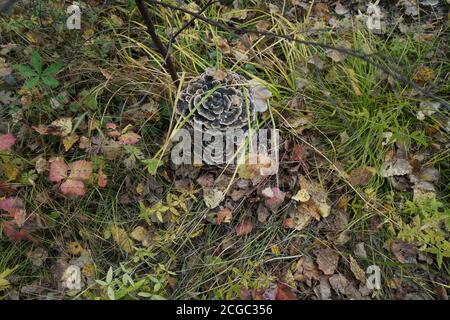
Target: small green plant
[(428, 229), (161, 212), (35, 74), (120, 284)]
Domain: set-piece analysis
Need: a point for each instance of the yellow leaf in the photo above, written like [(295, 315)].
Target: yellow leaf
[(302, 196), (4, 283), (139, 233), (69, 141), (10, 171), (121, 237), (74, 248)]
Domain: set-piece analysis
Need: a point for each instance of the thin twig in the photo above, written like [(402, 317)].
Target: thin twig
[(159, 45), (353, 53)]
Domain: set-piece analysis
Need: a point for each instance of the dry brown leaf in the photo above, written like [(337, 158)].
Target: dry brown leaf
[(357, 271), (361, 176), (223, 216), (327, 260)]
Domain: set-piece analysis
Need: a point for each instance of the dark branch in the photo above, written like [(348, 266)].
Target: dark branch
[(159, 45), (354, 53)]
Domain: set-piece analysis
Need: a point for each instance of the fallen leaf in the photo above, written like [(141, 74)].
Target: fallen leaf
[(339, 283), (263, 213), (335, 55), (81, 170), (84, 143), (69, 141), (357, 271), (318, 195), (323, 290), (73, 188), (244, 228), (11, 204), (404, 252), (285, 293), (223, 216), (302, 196), (327, 260), (14, 233), (102, 179), (74, 248), (360, 250), (61, 127), (129, 138), (361, 176), (41, 164), (58, 170), (274, 197), (139, 233), (257, 166), (6, 141), (4, 283), (142, 235), (317, 62), (120, 237), (212, 197)]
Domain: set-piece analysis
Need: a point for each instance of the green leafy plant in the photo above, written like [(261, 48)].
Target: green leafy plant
[(35, 74), (119, 284), (428, 229)]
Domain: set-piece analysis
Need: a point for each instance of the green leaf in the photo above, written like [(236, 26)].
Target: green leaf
[(145, 294), (52, 69), (109, 275), (4, 283), (25, 71), (32, 82), (50, 81), (153, 165), (36, 61), (101, 282), (111, 294)]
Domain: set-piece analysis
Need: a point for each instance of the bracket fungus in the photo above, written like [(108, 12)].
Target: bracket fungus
[(217, 100), (217, 103)]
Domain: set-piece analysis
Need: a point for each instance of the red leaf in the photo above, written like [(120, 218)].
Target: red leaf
[(10, 204), (102, 180), (73, 188), (80, 170), (6, 141), (285, 293), (244, 228), (58, 170), (129, 138), (275, 197), (20, 217), (14, 234)]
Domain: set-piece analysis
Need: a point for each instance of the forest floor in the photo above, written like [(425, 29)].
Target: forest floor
[(91, 206)]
